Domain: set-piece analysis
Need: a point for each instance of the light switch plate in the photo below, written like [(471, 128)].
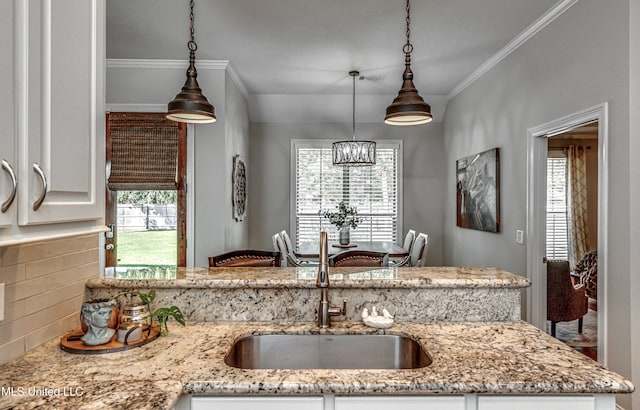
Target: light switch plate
[(520, 237), (1, 302)]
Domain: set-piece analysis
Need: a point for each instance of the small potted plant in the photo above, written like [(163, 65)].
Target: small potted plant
[(344, 219)]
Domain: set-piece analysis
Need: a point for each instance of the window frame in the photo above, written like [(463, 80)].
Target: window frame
[(184, 207), (326, 143)]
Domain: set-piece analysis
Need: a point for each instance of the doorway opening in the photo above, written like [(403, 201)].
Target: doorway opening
[(572, 237), (540, 141), (146, 196)]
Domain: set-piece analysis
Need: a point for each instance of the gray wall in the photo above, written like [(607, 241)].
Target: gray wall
[(215, 144), (269, 179), (580, 60), (237, 143)]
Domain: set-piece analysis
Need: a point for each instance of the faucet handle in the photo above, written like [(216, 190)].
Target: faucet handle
[(335, 311), (343, 311)]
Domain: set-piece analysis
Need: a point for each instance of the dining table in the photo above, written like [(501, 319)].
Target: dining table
[(311, 250)]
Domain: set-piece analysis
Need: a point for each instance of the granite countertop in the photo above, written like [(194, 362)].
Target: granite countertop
[(494, 358), (305, 277)]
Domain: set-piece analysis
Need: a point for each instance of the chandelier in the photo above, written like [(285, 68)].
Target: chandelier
[(354, 153)]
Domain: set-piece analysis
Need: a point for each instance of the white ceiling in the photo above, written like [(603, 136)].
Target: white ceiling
[(287, 48)]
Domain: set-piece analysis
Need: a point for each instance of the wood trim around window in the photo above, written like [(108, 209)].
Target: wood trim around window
[(111, 206)]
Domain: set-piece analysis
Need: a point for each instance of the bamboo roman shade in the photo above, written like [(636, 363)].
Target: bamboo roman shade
[(143, 152)]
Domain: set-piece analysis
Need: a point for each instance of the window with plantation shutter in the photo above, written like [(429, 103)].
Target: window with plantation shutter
[(319, 185), (557, 228)]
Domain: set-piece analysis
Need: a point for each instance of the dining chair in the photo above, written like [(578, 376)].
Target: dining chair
[(246, 258), (409, 238), (359, 258), (287, 240), (418, 254), (282, 248), (274, 238), (289, 256)]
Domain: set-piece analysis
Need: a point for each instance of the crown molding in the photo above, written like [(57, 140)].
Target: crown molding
[(233, 74), (543, 21), (167, 64), (180, 64), (128, 107)]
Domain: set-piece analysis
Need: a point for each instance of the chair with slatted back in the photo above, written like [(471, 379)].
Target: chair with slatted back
[(359, 258), (246, 258)]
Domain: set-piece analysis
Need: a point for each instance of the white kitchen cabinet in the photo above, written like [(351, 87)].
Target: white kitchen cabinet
[(251, 403), (558, 402), (400, 403), (7, 120), (55, 113)]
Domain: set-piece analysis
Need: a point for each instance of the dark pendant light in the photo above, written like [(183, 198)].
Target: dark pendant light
[(190, 105), (353, 153), (408, 108)]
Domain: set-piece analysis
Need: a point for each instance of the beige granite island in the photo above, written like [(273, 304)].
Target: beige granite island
[(455, 294), (476, 364)]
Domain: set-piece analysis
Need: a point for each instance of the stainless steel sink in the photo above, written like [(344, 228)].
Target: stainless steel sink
[(327, 352)]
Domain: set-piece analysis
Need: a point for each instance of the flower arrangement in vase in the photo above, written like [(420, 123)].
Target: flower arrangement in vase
[(344, 219)]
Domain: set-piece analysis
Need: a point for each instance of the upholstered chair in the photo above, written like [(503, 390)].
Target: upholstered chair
[(408, 240), (417, 256), (587, 269), (359, 258), (246, 258), (565, 302), (291, 258)]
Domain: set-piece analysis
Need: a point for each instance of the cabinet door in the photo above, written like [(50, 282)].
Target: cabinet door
[(251, 403), (61, 110), (400, 403), (7, 111), (536, 402)]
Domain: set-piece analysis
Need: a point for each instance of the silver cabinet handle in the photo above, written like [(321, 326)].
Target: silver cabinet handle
[(43, 194), (9, 170)]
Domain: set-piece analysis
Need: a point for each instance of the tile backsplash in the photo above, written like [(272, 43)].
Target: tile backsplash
[(44, 290)]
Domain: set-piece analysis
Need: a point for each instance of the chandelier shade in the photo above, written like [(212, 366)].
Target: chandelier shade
[(408, 108), (190, 105), (354, 153)]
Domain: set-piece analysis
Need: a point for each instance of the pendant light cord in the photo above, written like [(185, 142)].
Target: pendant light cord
[(354, 105), (192, 43), (408, 47)]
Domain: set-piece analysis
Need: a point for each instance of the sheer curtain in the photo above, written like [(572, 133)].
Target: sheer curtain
[(577, 201)]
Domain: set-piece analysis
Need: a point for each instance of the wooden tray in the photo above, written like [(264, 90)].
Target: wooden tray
[(337, 245), (71, 342)]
